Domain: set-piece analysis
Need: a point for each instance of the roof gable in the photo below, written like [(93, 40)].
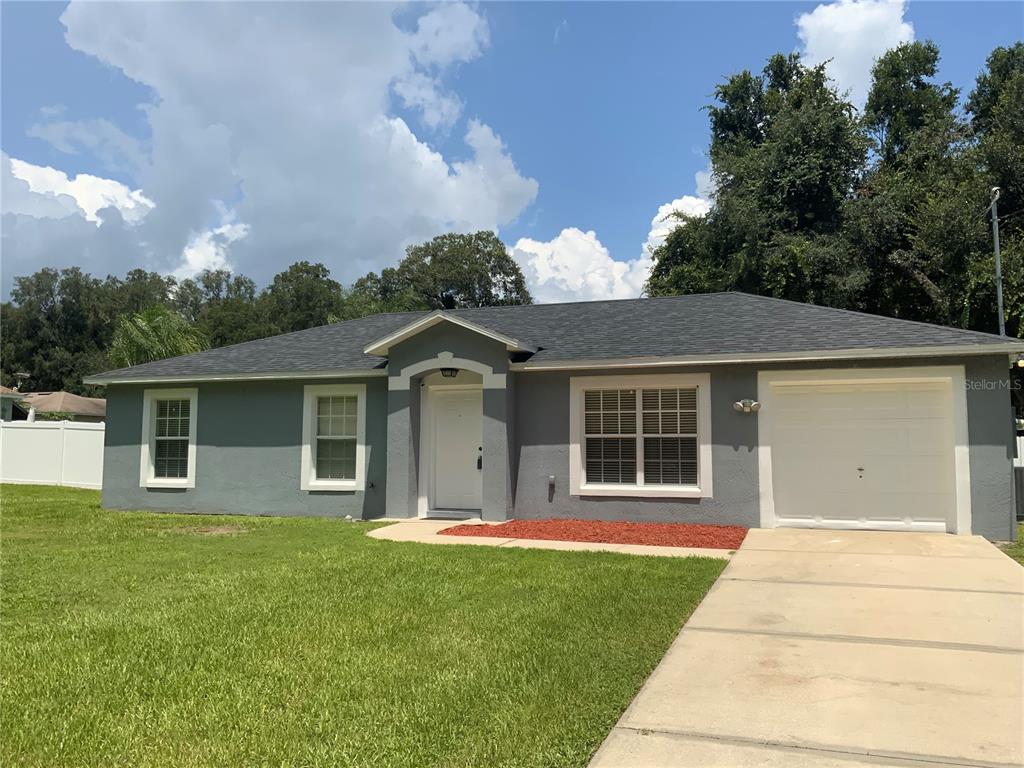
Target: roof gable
[(383, 344)]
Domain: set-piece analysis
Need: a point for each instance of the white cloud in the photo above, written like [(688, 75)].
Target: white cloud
[(33, 194), (450, 33), (90, 193), (422, 92), (209, 250), (666, 219), (853, 34), (705, 183), (575, 266), (19, 199), (116, 149), (293, 125)]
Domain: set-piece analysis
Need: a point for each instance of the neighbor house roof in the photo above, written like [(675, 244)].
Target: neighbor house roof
[(65, 402), (717, 327)]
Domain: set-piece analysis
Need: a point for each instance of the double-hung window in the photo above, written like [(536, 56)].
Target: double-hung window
[(333, 437), (641, 436), (169, 418)]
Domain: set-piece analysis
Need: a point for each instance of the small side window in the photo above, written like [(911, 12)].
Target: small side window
[(169, 438), (333, 437)]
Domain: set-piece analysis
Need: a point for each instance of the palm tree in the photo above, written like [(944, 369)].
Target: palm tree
[(154, 334)]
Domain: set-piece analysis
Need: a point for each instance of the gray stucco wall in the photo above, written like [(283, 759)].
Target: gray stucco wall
[(542, 431), (542, 435), (249, 435), (248, 441)]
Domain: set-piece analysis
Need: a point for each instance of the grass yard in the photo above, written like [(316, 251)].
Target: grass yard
[(1016, 550), (133, 638)]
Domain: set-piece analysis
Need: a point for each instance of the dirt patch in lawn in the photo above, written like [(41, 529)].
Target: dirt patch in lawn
[(210, 530), (654, 534)]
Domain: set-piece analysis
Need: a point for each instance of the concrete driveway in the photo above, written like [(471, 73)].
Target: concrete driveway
[(835, 648)]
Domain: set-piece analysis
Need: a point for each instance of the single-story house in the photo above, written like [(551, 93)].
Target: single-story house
[(718, 408), (65, 405)]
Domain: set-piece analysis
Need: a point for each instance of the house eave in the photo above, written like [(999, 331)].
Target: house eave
[(349, 373), (882, 353)]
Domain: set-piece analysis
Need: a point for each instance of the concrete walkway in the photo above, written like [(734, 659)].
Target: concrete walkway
[(426, 532), (840, 649)]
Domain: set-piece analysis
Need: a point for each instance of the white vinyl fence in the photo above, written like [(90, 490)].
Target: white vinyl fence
[(1019, 461), (52, 453)]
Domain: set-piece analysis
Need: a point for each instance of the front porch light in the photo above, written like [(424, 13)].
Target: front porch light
[(449, 373)]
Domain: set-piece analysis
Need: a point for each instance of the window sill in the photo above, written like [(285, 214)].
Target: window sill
[(640, 491), (332, 485), (161, 482)]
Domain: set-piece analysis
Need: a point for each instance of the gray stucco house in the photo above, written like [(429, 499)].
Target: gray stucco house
[(719, 408)]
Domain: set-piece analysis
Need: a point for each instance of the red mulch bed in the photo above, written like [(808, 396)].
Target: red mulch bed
[(655, 534)]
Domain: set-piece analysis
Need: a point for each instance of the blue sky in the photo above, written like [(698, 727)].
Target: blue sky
[(252, 135)]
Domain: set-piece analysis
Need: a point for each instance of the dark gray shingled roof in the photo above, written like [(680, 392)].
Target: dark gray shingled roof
[(673, 326)]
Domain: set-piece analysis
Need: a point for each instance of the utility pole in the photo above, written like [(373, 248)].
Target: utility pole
[(999, 263)]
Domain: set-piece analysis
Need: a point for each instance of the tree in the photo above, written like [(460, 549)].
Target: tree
[(224, 306), (55, 328), (303, 296), (786, 151), (997, 119), (154, 334), (448, 272), (904, 101), (882, 213)]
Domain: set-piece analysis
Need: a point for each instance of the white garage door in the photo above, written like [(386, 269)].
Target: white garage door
[(851, 454)]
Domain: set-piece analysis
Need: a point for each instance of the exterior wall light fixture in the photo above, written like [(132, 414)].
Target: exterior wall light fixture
[(449, 373), (747, 406)]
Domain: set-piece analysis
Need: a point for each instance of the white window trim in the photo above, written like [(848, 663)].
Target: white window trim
[(578, 384), (307, 477), (147, 477)]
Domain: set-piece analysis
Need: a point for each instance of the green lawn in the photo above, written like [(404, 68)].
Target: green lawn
[(133, 638), (1016, 550)]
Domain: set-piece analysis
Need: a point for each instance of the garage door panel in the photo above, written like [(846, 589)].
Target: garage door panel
[(863, 454)]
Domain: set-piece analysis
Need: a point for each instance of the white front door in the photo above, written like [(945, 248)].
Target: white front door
[(863, 455), (458, 442)]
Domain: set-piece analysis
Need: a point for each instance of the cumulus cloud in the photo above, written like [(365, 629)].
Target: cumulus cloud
[(209, 250), (667, 218), (575, 266), (90, 194), (112, 146), (291, 126), (851, 35)]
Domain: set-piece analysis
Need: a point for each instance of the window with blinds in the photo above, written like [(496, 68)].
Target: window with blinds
[(336, 437), (669, 422), (641, 437), (609, 419), (171, 438)]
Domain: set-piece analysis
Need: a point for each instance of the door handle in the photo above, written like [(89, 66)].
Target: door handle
[(479, 462)]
